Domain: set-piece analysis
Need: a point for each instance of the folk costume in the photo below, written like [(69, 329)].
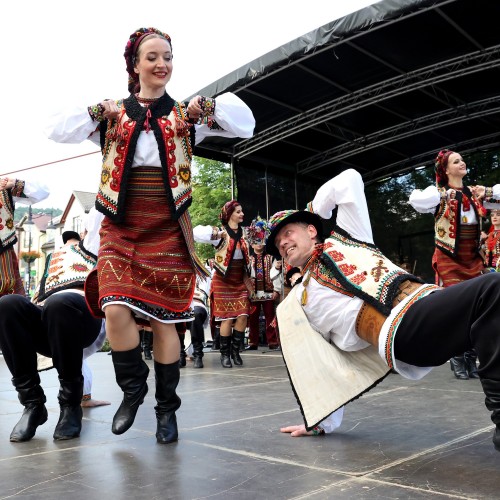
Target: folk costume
[(229, 296), (26, 193), (147, 260), (457, 240), (491, 248), (356, 315), (57, 325), (262, 295)]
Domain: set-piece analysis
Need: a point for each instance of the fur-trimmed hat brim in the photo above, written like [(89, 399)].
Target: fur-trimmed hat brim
[(296, 216)]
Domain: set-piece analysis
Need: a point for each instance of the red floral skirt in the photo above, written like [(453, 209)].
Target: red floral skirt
[(144, 262), (466, 265), (10, 279), (229, 294)]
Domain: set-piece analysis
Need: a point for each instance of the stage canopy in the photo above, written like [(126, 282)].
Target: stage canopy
[(380, 90)]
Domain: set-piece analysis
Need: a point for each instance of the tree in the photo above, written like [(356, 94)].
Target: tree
[(211, 189)]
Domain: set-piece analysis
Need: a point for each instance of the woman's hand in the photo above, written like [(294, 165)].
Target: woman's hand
[(7, 183), (194, 109), (478, 191), (296, 430), (110, 109)]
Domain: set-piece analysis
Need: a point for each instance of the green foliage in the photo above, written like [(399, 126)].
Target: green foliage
[(211, 189)]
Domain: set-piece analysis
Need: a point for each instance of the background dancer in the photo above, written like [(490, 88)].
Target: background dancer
[(12, 191), (457, 214), (147, 264), (230, 281)]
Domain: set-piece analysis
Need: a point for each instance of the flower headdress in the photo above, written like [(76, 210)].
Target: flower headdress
[(258, 231)]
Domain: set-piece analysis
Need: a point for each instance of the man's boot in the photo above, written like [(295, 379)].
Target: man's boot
[(197, 354), (70, 395), (470, 358), (236, 345), (183, 355), (131, 375), (147, 344), (459, 367), (491, 390), (33, 399), (168, 402), (225, 345)]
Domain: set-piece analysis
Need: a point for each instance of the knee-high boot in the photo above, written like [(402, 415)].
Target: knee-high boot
[(491, 390), (131, 375), (32, 397), (225, 346), (70, 395), (147, 344), (216, 339), (183, 355), (236, 344), (168, 402), (470, 358)]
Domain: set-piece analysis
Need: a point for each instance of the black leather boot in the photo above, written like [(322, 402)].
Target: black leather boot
[(459, 367), (491, 390), (147, 344), (216, 342), (197, 354), (470, 358), (131, 375), (70, 395), (33, 399), (225, 344), (236, 345), (183, 355), (167, 379)]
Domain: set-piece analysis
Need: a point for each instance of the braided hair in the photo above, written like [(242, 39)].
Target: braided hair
[(131, 49)]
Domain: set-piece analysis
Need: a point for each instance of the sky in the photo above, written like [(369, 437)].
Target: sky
[(58, 54)]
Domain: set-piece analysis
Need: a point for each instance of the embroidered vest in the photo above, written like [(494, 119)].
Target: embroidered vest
[(169, 123), (225, 250), (65, 268), (447, 221), (492, 249), (359, 269), (7, 227), (262, 271)]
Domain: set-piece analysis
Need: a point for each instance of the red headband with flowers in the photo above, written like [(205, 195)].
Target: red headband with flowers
[(440, 164), (227, 210), (130, 53)]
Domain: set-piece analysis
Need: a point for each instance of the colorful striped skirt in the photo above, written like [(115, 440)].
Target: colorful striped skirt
[(144, 262), (10, 279), (229, 293), (466, 265)]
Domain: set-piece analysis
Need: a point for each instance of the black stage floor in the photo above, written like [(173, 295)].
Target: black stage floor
[(404, 440)]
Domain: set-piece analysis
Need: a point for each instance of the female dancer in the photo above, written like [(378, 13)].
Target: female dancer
[(147, 264), (457, 210), (230, 281), (491, 245)]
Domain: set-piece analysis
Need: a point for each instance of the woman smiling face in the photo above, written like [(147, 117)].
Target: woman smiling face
[(237, 216), (154, 64), (456, 167)]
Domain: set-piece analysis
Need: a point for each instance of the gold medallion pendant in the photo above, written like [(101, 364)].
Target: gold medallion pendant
[(464, 219)]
